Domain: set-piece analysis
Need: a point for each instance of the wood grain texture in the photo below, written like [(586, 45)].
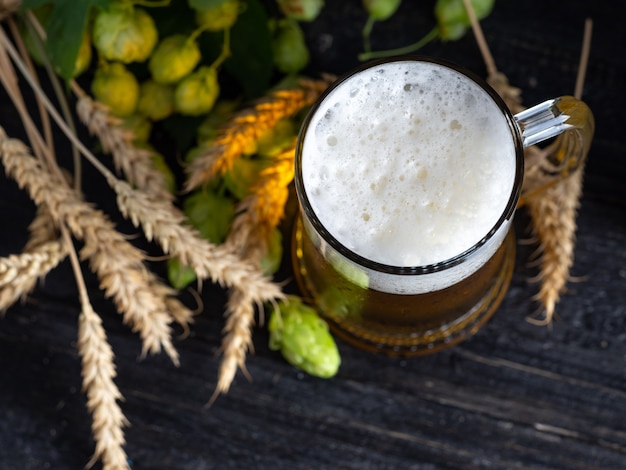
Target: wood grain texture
[(515, 396)]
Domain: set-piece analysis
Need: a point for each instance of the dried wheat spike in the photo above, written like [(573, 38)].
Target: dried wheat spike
[(237, 341), (248, 125), (9, 7), (133, 162), (553, 215), (19, 273), (98, 372), (166, 224), (118, 264), (42, 229), (263, 209)]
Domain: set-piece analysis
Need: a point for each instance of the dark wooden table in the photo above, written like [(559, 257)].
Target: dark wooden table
[(514, 396)]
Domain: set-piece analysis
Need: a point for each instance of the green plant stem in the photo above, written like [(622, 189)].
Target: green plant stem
[(434, 33), (367, 32), (226, 52), (151, 3)]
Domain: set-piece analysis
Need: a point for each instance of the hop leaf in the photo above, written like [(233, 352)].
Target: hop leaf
[(303, 338), (174, 57), (116, 87), (124, 33)]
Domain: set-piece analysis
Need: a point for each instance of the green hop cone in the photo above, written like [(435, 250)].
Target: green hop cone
[(174, 57), (210, 126), (303, 338), (179, 275), (301, 10), (116, 87), (381, 10), (452, 17), (274, 141), (289, 47), (160, 164), (139, 125), (270, 262), (124, 33), (196, 93), (243, 174), (211, 214), (156, 100), (220, 17)]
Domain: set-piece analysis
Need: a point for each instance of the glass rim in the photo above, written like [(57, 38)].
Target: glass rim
[(428, 268)]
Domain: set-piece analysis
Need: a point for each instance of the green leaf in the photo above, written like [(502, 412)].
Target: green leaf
[(65, 30), (251, 60), (251, 44), (32, 4)]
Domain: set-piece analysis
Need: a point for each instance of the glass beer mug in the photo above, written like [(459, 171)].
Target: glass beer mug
[(408, 172)]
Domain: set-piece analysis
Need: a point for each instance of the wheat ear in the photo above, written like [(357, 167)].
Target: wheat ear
[(166, 224), (248, 125), (263, 209), (133, 162), (553, 213), (41, 229), (118, 264), (259, 213), (19, 273), (237, 341), (42, 253), (9, 7), (98, 372)]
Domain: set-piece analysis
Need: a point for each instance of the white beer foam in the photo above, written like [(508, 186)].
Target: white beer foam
[(408, 163)]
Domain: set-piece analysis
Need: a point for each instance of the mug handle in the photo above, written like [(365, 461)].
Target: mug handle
[(571, 122)]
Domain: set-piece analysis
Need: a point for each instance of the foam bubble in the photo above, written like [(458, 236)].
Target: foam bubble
[(408, 163)]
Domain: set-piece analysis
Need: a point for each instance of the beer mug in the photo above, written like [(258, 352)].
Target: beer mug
[(408, 172)]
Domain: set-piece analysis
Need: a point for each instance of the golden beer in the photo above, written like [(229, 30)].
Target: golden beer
[(408, 172)]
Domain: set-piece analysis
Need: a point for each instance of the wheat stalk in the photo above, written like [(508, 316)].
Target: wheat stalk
[(247, 126), (552, 202), (42, 253), (262, 210), (553, 213), (259, 213), (8, 7), (19, 273), (165, 223), (118, 264), (41, 229), (237, 341), (132, 161), (98, 372)]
